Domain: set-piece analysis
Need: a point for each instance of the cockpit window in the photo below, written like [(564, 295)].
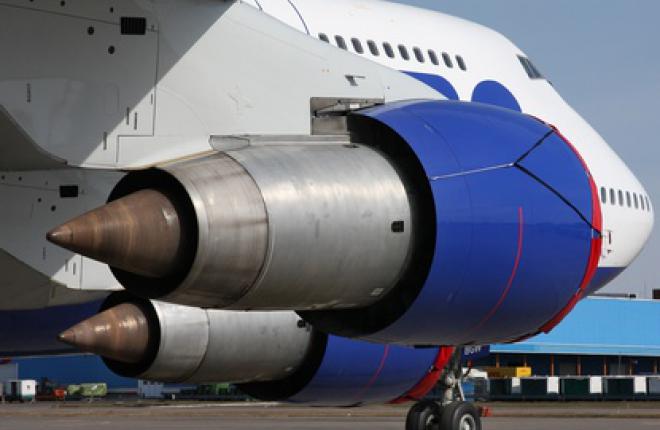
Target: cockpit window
[(529, 67)]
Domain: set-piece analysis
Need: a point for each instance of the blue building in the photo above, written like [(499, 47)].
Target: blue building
[(600, 337)]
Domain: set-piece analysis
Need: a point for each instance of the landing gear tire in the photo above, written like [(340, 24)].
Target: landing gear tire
[(425, 415), (460, 416)]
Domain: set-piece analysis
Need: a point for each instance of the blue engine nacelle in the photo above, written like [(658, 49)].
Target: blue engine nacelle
[(506, 226), (346, 372)]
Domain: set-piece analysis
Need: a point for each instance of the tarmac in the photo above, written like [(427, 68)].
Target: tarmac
[(243, 416)]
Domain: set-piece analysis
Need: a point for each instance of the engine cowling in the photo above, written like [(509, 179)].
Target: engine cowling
[(270, 227), (516, 227), (272, 355), (438, 223)]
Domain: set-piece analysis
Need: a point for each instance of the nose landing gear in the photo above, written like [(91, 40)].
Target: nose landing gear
[(454, 413)]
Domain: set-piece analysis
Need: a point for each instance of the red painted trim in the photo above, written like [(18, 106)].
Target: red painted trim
[(516, 264), (379, 370), (429, 380), (595, 248)]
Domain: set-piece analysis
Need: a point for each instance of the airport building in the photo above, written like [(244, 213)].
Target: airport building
[(602, 336)]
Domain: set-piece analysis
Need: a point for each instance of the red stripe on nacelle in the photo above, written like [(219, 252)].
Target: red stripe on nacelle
[(514, 270), (430, 379), (596, 243)]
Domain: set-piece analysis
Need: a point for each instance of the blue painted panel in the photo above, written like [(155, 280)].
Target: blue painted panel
[(603, 276), (32, 332), (461, 293), (436, 82), (509, 253), (355, 372), (454, 137), (599, 327), (494, 93), (570, 181)]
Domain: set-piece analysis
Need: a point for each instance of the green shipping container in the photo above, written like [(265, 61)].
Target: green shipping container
[(575, 387), (619, 388), (534, 387), (500, 387)]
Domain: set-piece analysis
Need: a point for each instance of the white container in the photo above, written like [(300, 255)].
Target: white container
[(515, 386), (553, 385), (596, 385), (24, 390), (639, 385)]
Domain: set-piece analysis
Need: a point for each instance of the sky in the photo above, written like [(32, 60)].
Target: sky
[(603, 56)]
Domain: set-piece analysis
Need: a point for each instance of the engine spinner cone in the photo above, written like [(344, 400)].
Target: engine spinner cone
[(140, 233), (120, 333)]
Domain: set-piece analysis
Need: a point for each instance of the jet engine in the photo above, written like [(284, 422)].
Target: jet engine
[(436, 222), (273, 355)]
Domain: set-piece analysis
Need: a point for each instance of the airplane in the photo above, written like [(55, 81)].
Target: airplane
[(321, 202)]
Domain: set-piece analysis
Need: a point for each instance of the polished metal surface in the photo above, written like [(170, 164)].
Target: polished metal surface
[(139, 233), (253, 346), (331, 210), (120, 333), (232, 232), (184, 340), (199, 346), (281, 225), (195, 345)]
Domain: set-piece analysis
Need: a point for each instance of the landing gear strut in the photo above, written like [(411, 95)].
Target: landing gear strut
[(453, 413)]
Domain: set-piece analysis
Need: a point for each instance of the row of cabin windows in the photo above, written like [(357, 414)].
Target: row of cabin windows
[(626, 198), (418, 53)]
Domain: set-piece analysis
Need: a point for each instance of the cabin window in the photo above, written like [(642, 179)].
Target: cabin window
[(603, 195), (628, 198), (648, 204), (404, 52), (635, 200), (324, 37), (447, 59), (418, 54), (388, 50), (357, 45), (461, 63), (341, 42), (612, 196), (433, 57), (641, 202), (373, 48), (620, 198)]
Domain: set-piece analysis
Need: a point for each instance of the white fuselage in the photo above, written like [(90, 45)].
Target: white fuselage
[(487, 56), (82, 93)]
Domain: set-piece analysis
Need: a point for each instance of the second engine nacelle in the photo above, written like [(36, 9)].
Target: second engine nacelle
[(273, 355)]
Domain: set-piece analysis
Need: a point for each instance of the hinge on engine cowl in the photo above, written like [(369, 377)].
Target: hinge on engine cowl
[(328, 115)]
